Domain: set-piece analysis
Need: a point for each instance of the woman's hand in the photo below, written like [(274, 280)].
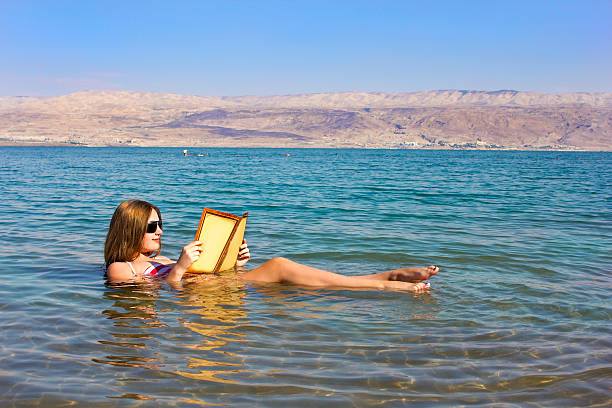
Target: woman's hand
[(189, 254), (243, 255)]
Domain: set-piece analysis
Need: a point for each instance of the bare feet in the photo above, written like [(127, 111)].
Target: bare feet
[(412, 274)]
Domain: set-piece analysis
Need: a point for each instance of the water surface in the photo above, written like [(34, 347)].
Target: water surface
[(519, 315)]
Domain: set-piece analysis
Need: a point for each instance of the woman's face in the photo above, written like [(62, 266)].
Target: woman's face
[(150, 241)]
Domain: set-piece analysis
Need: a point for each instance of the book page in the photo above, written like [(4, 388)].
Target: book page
[(234, 247), (214, 234)]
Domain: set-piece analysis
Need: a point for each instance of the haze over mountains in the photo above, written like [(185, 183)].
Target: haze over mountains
[(428, 119)]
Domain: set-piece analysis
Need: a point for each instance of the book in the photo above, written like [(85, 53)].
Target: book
[(221, 235)]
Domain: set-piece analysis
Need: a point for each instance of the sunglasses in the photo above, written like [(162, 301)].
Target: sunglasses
[(152, 226)]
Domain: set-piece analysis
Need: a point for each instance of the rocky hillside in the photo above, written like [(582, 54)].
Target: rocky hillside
[(431, 119)]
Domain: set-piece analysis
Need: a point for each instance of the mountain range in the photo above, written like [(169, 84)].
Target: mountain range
[(504, 119)]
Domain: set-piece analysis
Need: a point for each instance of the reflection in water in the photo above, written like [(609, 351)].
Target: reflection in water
[(217, 304), (147, 320), (134, 309)]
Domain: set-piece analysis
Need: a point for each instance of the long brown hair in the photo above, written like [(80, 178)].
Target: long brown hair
[(126, 231)]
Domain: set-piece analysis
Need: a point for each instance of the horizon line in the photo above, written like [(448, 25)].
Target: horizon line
[(497, 91)]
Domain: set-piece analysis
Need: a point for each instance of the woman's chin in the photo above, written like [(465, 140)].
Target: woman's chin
[(150, 249)]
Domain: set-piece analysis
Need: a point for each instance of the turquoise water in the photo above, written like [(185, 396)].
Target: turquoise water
[(519, 315)]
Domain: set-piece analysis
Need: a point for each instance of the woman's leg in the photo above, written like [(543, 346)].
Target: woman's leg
[(285, 271)]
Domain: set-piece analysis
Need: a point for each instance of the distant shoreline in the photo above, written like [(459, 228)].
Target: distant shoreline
[(443, 148)]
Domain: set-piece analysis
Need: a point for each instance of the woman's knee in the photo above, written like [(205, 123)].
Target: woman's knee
[(273, 270), (278, 261)]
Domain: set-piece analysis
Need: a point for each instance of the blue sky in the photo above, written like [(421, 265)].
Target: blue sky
[(50, 48)]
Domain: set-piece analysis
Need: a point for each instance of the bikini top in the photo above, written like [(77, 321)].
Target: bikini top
[(157, 270)]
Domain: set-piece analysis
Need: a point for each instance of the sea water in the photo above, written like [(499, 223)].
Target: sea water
[(518, 316)]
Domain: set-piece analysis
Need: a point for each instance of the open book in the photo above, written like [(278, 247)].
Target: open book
[(221, 235)]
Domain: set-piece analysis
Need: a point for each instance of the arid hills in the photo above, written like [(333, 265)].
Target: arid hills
[(429, 119)]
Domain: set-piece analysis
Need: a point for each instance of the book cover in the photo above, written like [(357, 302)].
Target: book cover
[(221, 235)]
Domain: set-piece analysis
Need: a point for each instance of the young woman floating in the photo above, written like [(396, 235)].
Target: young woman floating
[(133, 244)]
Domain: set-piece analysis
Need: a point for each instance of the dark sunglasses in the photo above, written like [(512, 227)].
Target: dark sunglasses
[(152, 226)]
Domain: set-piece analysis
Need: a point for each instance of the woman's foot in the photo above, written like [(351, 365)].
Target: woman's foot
[(412, 274), (413, 287)]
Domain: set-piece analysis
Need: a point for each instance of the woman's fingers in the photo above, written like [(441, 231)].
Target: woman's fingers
[(243, 245), (244, 254), (197, 249)]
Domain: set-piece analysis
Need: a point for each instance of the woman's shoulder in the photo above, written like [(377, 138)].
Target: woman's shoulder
[(120, 272), (127, 272)]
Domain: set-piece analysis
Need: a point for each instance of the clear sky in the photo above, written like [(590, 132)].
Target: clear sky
[(227, 47)]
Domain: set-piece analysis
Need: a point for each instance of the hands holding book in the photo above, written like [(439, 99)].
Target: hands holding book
[(191, 252)]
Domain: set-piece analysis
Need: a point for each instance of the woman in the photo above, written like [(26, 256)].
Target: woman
[(133, 244)]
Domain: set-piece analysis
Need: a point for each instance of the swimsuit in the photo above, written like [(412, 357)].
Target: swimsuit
[(154, 270)]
